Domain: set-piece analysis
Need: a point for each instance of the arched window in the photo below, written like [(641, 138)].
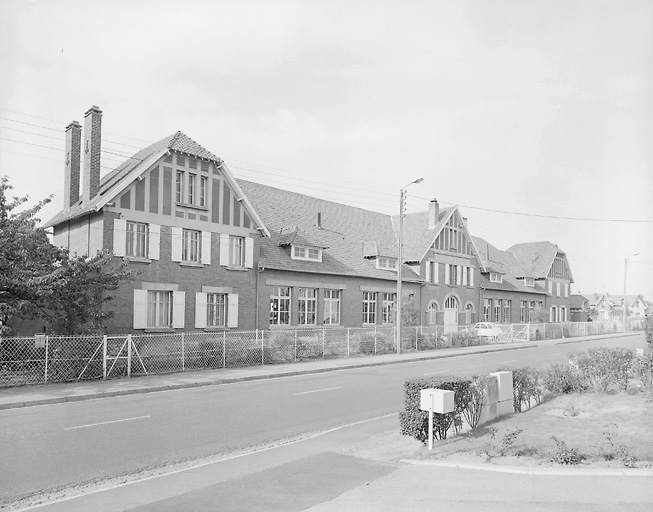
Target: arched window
[(469, 314), (431, 313), (451, 303)]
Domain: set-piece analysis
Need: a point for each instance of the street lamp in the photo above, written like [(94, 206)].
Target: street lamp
[(624, 302), (400, 259)]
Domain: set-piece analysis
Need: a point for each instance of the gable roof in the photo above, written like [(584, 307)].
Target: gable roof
[(537, 258), (343, 231), (122, 176), (492, 259), (577, 301)]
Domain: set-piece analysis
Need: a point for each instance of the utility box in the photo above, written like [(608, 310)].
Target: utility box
[(436, 400)]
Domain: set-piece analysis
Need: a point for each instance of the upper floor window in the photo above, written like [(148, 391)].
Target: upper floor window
[(180, 187), (192, 188), (203, 181), (237, 251), (136, 240), (496, 278), (529, 281), (386, 263), (301, 252), (432, 268), (191, 245)]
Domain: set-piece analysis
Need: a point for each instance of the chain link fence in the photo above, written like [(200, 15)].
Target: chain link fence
[(40, 359)]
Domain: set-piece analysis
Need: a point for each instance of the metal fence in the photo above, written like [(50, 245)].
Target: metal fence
[(40, 359)]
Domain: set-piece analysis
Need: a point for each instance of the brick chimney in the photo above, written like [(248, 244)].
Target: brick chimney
[(434, 213), (92, 146), (73, 160)]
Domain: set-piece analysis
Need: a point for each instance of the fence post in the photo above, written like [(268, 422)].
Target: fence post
[(262, 349), (104, 356), (224, 349), (129, 355), (323, 341), (375, 340), (47, 347), (295, 345), (416, 337), (347, 341), (183, 366)]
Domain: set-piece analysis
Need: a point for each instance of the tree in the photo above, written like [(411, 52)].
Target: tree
[(39, 280)]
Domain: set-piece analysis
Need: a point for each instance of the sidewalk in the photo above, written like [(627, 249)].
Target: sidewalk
[(27, 396)]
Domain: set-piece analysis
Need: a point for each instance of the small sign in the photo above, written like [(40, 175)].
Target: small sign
[(39, 341)]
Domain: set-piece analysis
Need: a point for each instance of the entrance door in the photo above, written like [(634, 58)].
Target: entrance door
[(451, 315)]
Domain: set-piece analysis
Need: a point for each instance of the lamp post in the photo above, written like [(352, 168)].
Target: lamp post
[(400, 259), (623, 306)]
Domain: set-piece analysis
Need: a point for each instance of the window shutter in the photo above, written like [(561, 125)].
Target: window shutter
[(436, 272), (471, 276), (459, 275), (155, 242), (428, 271), (178, 309), (200, 310), (465, 276), (232, 310), (224, 249), (446, 274), (206, 247), (140, 309), (249, 252), (176, 244), (119, 237)]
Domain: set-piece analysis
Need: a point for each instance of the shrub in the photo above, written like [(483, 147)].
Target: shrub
[(525, 386), (648, 329), (414, 422), (643, 369), (564, 454), (474, 396), (561, 378), (604, 368)]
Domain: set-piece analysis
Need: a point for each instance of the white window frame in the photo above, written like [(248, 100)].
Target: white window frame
[(170, 315), (332, 307), (529, 281), (192, 187), (191, 246), (179, 186), (236, 251), (217, 309), (496, 277), (281, 305), (120, 239), (203, 187), (432, 313), (388, 307), (307, 306), (558, 290), (136, 239), (369, 307), (306, 253), (386, 263)]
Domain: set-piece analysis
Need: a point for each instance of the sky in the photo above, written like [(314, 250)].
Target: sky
[(535, 117)]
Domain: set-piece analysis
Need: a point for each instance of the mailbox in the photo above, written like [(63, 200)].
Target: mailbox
[(436, 400)]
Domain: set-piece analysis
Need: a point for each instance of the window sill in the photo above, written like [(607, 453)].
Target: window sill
[(135, 259), (159, 329), (238, 269), (191, 264), (216, 329), (275, 327), (193, 206)]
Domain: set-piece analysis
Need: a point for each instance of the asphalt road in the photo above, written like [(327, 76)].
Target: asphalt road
[(58, 446)]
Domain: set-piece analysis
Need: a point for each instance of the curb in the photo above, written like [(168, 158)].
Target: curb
[(529, 470), (173, 387)]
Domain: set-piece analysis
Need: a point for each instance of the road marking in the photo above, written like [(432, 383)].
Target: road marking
[(433, 373), (107, 422), (316, 391), (506, 362)]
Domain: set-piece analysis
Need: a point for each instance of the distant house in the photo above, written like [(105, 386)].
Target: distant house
[(580, 308), (508, 293), (547, 266)]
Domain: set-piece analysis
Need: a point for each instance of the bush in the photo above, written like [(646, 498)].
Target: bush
[(414, 422), (564, 454), (561, 378), (525, 387), (603, 368), (648, 329), (474, 396), (643, 369)]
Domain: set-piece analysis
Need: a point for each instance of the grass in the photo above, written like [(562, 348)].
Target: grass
[(600, 429)]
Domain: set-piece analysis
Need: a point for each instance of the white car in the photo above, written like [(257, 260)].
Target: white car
[(487, 330)]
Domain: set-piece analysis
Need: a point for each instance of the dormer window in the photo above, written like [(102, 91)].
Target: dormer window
[(385, 263), (302, 252), (529, 281), (496, 278)]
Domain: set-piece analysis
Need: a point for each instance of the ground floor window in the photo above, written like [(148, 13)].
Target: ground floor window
[(432, 313), (332, 307), (159, 308), (369, 307), (388, 307), (487, 306), (307, 306), (496, 316), (280, 306), (507, 305), (470, 314), (522, 311), (216, 309)]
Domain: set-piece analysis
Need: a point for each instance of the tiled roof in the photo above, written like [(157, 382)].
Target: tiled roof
[(536, 257), (577, 301), (178, 141), (343, 231), (417, 238)]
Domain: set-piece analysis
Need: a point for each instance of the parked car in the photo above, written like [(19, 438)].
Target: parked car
[(487, 330)]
